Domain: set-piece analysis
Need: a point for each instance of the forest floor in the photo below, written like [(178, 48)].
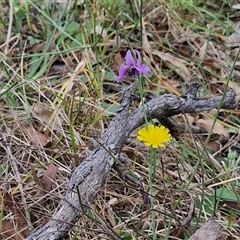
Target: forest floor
[(58, 90)]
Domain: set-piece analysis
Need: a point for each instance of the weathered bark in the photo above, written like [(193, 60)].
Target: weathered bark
[(91, 175)]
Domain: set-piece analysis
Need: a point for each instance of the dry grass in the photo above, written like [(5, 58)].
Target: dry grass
[(58, 90)]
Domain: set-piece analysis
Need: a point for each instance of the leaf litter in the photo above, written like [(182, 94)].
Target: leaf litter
[(66, 110)]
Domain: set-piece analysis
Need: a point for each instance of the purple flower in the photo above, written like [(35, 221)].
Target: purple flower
[(132, 67)]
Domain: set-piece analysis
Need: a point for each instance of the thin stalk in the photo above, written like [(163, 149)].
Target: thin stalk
[(151, 182)]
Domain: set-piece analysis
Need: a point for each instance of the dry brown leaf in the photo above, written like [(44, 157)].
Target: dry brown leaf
[(169, 84), (206, 124), (234, 39), (173, 62), (213, 112), (203, 50), (213, 146), (39, 47), (212, 63), (8, 230), (189, 118), (44, 220), (48, 176), (172, 83), (185, 51), (210, 230), (44, 114), (230, 205), (116, 62), (38, 139), (19, 230)]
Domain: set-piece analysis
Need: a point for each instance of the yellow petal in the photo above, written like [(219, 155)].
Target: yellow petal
[(154, 136)]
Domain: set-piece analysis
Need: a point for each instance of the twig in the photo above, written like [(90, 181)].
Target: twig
[(91, 175)]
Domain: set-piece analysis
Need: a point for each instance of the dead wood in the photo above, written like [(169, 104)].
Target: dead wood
[(91, 175)]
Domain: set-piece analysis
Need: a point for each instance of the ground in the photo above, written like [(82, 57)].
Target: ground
[(58, 91)]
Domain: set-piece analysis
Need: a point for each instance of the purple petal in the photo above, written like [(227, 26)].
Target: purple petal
[(129, 58), (142, 69), (139, 58), (122, 72)]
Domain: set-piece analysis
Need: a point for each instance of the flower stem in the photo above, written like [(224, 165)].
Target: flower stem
[(140, 84), (141, 21), (151, 182)]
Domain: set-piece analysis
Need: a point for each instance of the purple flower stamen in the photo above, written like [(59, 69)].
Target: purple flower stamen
[(132, 66)]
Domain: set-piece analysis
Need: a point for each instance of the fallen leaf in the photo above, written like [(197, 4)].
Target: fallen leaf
[(185, 51), (39, 47), (19, 229), (213, 146), (206, 124), (189, 118), (172, 83), (44, 220), (202, 51), (234, 39), (37, 138), (116, 62), (210, 230), (213, 112), (212, 63), (8, 230), (44, 114), (48, 176), (230, 205), (179, 65)]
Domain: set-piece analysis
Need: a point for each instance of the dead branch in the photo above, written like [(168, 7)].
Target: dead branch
[(91, 175)]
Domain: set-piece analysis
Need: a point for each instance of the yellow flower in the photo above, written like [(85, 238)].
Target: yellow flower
[(154, 136)]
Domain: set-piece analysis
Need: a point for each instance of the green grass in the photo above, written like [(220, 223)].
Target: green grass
[(73, 75)]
